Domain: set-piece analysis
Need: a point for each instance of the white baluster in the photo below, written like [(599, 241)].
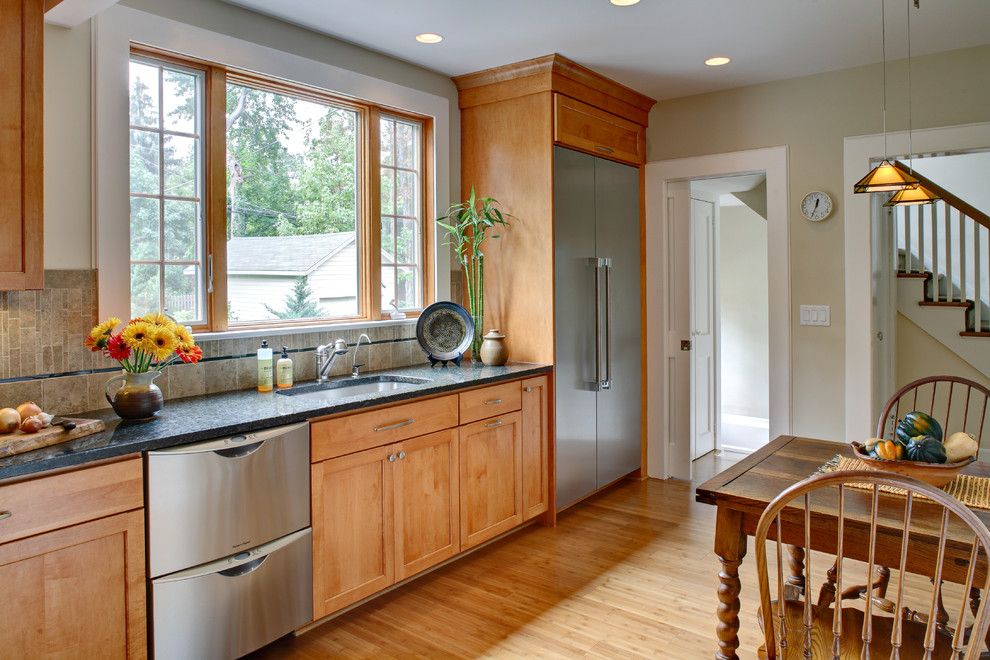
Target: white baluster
[(908, 248), (922, 245), (948, 252), (978, 279), (936, 294), (963, 273)]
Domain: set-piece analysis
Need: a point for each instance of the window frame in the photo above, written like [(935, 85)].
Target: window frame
[(214, 205)]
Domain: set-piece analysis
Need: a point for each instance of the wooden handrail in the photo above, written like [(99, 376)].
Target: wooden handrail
[(960, 205)]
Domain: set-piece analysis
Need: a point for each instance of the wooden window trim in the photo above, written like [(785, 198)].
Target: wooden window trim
[(216, 77)]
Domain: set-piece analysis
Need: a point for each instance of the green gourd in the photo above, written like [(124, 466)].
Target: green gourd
[(917, 423), (925, 449)]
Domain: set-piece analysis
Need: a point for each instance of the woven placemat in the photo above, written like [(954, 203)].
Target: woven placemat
[(971, 490)]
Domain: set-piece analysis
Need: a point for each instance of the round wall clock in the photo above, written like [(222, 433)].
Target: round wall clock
[(816, 206)]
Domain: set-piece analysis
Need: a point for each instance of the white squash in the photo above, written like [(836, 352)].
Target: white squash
[(959, 446)]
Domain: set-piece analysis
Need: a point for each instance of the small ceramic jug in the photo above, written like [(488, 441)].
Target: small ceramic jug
[(138, 397), (493, 350)]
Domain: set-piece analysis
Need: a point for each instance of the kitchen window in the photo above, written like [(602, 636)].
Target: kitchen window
[(256, 202)]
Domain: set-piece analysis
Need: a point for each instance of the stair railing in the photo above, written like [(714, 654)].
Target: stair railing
[(948, 241)]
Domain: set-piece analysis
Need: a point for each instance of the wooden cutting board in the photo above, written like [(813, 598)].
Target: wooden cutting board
[(19, 442)]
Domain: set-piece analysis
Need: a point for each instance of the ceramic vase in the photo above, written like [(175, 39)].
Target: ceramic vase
[(494, 352), (138, 397)]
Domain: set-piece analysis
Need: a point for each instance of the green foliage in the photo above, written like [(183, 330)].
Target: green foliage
[(297, 303), (468, 225)]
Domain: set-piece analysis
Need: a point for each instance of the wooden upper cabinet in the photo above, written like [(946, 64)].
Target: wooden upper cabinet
[(586, 128), (535, 446), (21, 152)]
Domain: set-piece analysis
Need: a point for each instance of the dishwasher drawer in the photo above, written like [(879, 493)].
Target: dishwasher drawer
[(230, 607), (211, 499)]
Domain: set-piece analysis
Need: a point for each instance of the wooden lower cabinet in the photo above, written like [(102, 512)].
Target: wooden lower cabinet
[(535, 447), (353, 552), (76, 592), (382, 515), (425, 502), (490, 478)]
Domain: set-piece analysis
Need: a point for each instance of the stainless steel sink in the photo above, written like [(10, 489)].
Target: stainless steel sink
[(348, 387)]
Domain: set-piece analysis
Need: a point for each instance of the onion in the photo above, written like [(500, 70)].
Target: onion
[(9, 420), (32, 425), (28, 409)]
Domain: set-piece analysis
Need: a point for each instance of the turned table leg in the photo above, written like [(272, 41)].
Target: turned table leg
[(794, 583), (730, 547)]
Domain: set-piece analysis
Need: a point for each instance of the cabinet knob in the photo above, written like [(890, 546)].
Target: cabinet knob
[(5, 514), (402, 455), (527, 389), (391, 458)]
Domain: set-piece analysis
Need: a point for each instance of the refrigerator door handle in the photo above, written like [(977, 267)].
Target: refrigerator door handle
[(595, 262), (606, 383)]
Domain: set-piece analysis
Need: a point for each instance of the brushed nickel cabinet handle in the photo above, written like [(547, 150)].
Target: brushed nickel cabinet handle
[(5, 514), (392, 427), (604, 150), (491, 425), (493, 402)]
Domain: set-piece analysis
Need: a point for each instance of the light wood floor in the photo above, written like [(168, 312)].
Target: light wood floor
[(629, 573)]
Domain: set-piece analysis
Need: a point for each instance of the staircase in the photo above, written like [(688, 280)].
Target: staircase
[(943, 271)]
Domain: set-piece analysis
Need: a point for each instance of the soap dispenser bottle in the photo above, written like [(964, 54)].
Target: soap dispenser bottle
[(283, 370), (265, 375)]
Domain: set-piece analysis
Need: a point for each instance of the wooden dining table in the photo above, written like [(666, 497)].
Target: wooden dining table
[(743, 491)]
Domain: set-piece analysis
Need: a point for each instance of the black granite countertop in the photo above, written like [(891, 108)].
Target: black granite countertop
[(217, 415)]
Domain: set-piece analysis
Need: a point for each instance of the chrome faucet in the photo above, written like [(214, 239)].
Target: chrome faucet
[(355, 367), (326, 356)]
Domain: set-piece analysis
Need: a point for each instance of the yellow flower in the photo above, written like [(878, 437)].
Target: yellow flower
[(157, 318), (184, 337), (137, 335), (104, 329), (164, 342)]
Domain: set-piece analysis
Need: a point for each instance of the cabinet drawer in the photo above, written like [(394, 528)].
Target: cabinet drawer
[(587, 128), (47, 503), (490, 401), (345, 435)]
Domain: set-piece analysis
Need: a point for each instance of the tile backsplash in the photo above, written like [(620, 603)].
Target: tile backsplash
[(42, 357)]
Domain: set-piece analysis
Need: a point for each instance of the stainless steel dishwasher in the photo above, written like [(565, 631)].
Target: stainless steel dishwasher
[(229, 543)]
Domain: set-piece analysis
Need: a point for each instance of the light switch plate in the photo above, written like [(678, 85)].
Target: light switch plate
[(815, 315)]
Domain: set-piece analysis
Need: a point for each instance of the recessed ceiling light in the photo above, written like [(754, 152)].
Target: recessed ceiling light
[(718, 61), (429, 38), (624, 3)]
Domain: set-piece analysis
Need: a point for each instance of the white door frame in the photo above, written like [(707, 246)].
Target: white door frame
[(773, 161), (858, 151)]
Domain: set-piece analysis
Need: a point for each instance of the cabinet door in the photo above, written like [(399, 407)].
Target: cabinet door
[(535, 447), (352, 528), (21, 198), (491, 478), (77, 592), (426, 502)]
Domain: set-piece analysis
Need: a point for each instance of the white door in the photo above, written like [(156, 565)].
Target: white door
[(703, 304)]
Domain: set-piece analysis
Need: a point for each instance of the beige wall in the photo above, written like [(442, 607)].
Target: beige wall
[(68, 110), (812, 115), (744, 318), (920, 355)]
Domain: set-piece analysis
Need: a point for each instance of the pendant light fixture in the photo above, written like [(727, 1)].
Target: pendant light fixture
[(917, 194), (884, 177)]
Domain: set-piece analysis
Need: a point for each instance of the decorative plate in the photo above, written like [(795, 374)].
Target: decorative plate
[(444, 330)]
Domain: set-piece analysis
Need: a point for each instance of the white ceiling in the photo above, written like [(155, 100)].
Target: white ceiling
[(657, 47)]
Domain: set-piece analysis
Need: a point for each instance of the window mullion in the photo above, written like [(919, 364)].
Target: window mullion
[(215, 210), (373, 231)]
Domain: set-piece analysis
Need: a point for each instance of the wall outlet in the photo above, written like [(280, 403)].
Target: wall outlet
[(815, 315)]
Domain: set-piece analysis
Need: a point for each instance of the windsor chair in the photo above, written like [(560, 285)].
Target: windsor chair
[(801, 629)]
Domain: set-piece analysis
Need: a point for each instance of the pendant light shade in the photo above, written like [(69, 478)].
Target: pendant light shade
[(885, 178), (913, 196)]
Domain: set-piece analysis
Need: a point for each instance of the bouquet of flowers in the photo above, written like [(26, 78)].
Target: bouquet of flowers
[(153, 341)]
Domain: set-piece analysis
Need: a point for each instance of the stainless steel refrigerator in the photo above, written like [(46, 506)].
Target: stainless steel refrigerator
[(597, 315)]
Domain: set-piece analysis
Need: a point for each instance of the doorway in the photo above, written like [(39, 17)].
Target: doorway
[(729, 309), (672, 323)]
